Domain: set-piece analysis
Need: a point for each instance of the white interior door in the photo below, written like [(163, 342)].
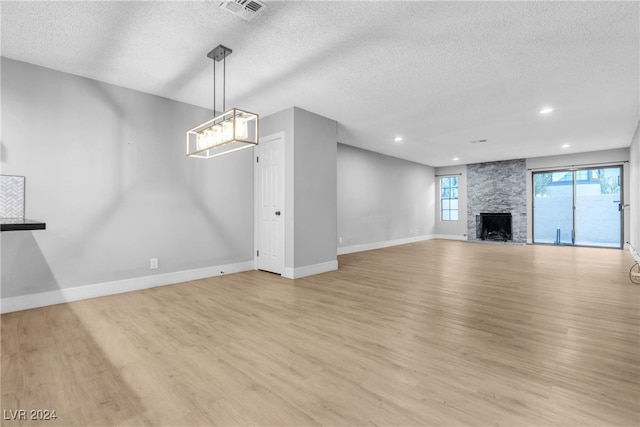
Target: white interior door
[(269, 173)]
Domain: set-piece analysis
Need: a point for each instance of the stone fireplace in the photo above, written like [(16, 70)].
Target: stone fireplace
[(497, 201)]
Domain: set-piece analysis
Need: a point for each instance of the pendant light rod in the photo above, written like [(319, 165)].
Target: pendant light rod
[(218, 54), (214, 88)]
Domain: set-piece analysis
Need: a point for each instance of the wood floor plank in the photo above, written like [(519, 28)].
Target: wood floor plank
[(425, 334)]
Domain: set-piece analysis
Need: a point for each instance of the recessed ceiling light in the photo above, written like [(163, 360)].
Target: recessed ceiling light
[(566, 145), (546, 110), (455, 159), (398, 139)]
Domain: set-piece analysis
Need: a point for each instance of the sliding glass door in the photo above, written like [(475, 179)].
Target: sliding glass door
[(553, 207), (598, 207), (578, 207)]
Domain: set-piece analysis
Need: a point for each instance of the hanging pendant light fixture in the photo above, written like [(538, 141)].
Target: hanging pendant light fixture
[(230, 131)]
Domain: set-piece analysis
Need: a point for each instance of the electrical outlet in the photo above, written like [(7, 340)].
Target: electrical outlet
[(340, 240), (153, 263)]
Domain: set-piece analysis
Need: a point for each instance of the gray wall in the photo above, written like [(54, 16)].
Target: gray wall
[(315, 188), (382, 198), (498, 187), (106, 169), (634, 190), (452, 229), (620, 155)]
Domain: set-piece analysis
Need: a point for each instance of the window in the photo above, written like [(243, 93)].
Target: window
[(449, 198)]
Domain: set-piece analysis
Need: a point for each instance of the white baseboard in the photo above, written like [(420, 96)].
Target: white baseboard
[(377, 245), (309, 270), (633, 252), (59, 296)]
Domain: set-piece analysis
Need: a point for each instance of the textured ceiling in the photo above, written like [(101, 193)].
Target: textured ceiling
[(441, 74)]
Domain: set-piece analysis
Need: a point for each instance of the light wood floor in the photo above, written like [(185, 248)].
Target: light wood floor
[(432, 333)]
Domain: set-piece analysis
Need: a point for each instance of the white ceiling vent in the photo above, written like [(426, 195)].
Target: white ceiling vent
[(245, 9)]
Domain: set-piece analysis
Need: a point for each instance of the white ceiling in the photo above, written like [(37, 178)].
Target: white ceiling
[(441, 74)]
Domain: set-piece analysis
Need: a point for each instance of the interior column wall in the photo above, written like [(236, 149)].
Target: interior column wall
[(310, 189), (315, 190)]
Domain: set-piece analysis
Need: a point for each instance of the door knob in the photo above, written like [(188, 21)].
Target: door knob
[(277, 213)]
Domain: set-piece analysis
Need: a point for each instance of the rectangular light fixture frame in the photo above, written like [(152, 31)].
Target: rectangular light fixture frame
[(228, 132)]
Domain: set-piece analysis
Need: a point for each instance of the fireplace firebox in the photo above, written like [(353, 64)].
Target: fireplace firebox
[(494, 226)]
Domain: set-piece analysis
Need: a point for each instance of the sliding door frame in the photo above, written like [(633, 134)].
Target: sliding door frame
[(574, 183)]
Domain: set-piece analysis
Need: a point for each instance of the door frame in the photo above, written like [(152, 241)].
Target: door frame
[(574, 170), (256, 200)]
